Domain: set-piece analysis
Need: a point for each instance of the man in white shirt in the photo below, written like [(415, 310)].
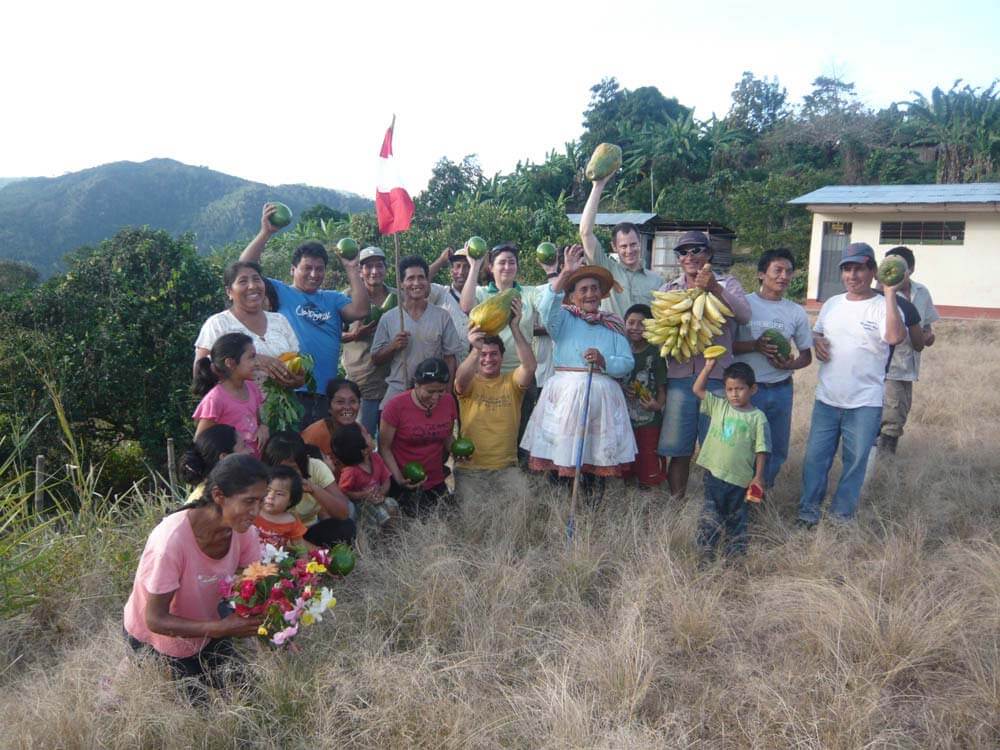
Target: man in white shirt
[(904, 368), (449, 297), (853, 336)]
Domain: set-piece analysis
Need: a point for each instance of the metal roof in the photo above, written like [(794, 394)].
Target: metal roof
[(978, 192), (609, 220)]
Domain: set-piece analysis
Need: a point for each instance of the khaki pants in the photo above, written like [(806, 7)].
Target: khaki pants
[(471, 484), (896, 407)]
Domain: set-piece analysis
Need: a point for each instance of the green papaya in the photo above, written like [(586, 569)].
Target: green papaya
[(605, 160), (462, 447), (390, 302), (476, 247), (342, 559), (546, 253), (493, 314), (414, 472), (777, 339), (892, 270), (347, 248), (282, 217)]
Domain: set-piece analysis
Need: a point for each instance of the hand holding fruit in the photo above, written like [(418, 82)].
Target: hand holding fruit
[(515, 313), (706, 280), (476, 336), (267, 228), (277, 371), (650, 404)]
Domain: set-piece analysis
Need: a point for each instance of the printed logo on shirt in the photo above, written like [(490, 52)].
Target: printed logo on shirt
[(869, 325), (207, 579), (313, 314)]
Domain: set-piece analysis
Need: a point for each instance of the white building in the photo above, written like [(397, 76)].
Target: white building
[(953, 231)]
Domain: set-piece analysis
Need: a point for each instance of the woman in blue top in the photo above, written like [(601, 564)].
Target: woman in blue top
[(583, 335)]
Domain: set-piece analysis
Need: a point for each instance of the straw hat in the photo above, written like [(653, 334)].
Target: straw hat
[(603, 276)]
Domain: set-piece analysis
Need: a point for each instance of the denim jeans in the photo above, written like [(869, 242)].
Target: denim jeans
[(856, 430), (683, 422), (776, 403), (369, 415), (725, 511)]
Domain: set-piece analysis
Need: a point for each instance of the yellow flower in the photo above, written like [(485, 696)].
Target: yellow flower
[(256, 571), (262, 631), (332, 603), (314, 567), (307, 618)]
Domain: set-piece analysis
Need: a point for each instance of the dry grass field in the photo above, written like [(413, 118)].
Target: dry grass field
[(485, 631)]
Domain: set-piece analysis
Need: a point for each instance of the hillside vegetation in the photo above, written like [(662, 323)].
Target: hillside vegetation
[(41, 219), (484, 630)]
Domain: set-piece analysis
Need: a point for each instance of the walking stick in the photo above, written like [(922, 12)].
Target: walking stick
[(581, 438)]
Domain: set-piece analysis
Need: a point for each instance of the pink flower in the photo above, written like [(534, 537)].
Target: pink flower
[(293, 614), (279, 638)]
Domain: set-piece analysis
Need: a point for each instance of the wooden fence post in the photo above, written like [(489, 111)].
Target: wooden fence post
[(39, 484), (171, 467)]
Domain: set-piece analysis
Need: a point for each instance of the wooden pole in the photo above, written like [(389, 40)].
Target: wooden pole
[(400, 296), (171, 466), (39, 484)]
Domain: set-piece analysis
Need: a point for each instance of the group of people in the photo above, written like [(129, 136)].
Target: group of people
[(572, 363)]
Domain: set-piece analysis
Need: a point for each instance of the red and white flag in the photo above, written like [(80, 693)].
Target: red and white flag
[(393, 204)]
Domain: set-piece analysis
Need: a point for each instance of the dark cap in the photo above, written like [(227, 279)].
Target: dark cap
[(693, 238), (432, 370), (857, 252)]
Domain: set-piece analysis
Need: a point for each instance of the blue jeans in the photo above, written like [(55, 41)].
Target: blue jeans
[(683, 422), (856, 430), (369, 415), (725, 511), (776, 403)]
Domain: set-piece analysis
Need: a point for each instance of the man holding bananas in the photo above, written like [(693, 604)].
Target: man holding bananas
[(713, 317)]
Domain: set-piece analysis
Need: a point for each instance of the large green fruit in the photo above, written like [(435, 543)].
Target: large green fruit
[(414, 472), (462, 447), (390, 302), (892, 270), (347, 248), (374, 315), (282, 216), (493, 314), (477, 247), (776, 338), (342, 559), (606, 160), (546, 253)]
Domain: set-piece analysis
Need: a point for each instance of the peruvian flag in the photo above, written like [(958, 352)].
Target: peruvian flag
[(393, 205)]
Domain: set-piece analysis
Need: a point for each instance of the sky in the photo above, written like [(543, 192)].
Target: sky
[(302, 92)]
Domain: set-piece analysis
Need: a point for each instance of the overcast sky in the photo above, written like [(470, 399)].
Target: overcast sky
[(293, 91)]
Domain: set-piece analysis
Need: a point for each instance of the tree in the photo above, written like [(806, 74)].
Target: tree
[(448, 181), (322, 211), (15, 274), (831, 95), (963, 127), (758, 104)]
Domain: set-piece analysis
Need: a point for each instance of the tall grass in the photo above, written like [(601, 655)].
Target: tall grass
[(484, 630)]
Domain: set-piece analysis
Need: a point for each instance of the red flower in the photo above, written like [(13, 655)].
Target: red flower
[(242, 610), (247, 589)]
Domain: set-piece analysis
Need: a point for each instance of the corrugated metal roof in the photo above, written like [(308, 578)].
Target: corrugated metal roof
[(609, 220), (978, 192)]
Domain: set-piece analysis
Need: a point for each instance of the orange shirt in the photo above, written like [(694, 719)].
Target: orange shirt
[(279, 534)]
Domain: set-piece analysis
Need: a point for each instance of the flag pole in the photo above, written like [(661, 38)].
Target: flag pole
[(399, 283)]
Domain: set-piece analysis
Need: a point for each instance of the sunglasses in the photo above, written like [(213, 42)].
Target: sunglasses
[(691, 250), (433, 375)]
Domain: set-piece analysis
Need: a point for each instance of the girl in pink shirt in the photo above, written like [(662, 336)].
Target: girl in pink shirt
[(225, 381), (173, 609)]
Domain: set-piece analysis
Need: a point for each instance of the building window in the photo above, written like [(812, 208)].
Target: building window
[(922, 233)]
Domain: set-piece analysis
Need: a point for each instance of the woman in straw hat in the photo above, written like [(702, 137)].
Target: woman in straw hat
[(584, 337)]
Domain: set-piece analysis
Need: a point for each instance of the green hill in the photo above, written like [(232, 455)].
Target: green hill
[(41, 218)]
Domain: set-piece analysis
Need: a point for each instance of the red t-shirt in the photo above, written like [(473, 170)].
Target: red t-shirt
[(420, 437), (356, 479)]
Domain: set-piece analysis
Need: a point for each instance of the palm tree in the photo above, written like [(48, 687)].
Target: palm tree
[(676, 141)]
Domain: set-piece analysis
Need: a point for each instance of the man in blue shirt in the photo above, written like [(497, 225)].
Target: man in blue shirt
[(316, 315)]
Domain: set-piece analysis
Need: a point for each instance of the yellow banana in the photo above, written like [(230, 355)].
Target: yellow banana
[(698, 308), (684, 304), (720, 305), (712, 312)]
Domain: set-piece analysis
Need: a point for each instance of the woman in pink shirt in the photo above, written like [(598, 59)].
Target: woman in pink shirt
[(173, 610)]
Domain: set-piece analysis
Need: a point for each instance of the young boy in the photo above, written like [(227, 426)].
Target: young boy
[(364, 477), (645, 395), (274, 523), (734, 455)]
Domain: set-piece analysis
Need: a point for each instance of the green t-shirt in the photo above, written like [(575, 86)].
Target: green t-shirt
[(734, 439), (650, 372)]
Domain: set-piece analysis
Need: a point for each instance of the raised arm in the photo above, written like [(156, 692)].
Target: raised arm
[(470, 365), (252, 252), (359, 306), (699, 384), (591, 245), (895, 329), (468, 300), (440, 262), (525, 371)]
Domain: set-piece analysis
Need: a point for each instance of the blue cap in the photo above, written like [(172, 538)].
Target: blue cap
[(857, 252)]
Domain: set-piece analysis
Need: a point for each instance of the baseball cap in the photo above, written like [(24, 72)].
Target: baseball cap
[(461, 253), (693, 238), (857, 252), (371, 252)]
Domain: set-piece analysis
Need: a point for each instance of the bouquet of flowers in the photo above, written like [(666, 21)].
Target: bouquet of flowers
[(285, 588)]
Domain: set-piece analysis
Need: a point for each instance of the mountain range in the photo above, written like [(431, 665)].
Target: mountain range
[(43, 218)]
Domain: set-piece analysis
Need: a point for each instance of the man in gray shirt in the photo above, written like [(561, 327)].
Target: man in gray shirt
[(425, 331)]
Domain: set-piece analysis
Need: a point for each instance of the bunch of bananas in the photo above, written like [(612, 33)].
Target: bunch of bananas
[(684, 322)]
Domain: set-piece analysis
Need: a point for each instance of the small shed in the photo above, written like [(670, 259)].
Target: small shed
[(659, 235), (953, 231)]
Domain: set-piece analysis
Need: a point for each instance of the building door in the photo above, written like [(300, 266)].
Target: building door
[(836, 236)]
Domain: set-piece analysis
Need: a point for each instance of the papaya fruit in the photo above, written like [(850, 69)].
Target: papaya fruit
[(776, 338), (714, 352), (295, 365), (347, 248), (605, 160), (390, 302), (546, 253), (493, 314), (282, 217), (414, 472), (377, 311), (476, 247), (892, 270), (462, 447), (342, 559)]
